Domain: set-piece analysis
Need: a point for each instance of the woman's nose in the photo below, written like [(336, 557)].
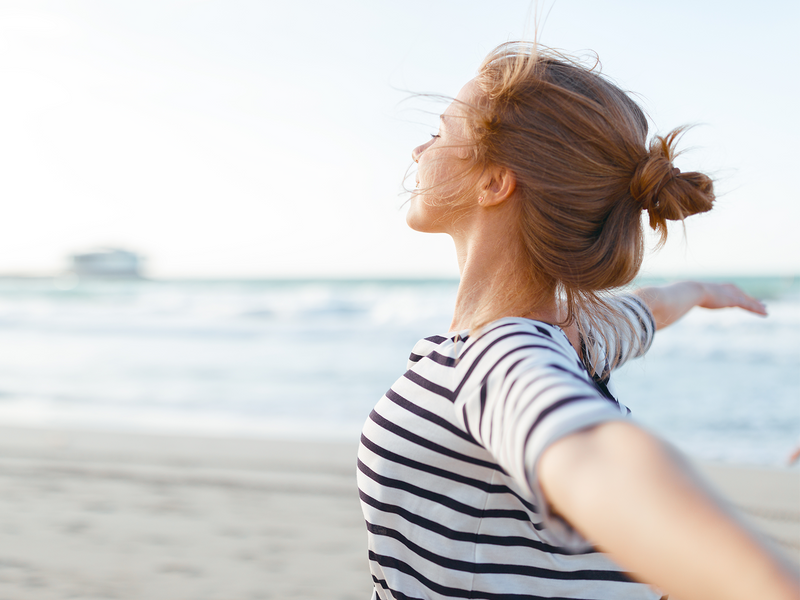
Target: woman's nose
[(416, 152)]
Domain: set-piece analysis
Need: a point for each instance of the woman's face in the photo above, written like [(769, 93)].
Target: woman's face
[(443, 193)]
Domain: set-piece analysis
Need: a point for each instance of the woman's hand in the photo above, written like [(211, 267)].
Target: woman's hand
[(669, 303), (728, 295), (638, 500)]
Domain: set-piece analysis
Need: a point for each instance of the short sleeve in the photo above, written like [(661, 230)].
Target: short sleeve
[(523, 389), (625, 332)]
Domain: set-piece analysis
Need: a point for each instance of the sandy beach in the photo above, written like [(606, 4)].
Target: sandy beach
[(123, 516)]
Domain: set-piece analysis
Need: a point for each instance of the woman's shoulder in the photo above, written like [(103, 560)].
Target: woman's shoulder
[(442, 348), (521, 331), (502, 337), (523, 338)]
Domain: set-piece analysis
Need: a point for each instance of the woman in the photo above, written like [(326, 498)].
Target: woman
[(488, 465)]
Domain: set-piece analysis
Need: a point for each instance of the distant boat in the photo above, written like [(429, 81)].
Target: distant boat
[(107, 262)]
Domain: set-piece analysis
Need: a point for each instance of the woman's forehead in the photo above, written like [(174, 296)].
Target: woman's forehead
[(466, 96), (453, 116)]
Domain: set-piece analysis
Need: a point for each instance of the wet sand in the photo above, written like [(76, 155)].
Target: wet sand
[(123, 516)]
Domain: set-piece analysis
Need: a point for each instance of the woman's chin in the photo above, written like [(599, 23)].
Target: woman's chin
[(420, 223), (423, 217), (414, 219)]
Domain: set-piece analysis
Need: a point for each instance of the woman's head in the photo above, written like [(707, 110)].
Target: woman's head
[(577, 146)]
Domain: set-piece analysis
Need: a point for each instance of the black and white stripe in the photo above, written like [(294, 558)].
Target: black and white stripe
[(624, 334), (447, 468)]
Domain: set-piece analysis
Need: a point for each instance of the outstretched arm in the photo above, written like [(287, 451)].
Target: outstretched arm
[(669, 303), (638, 500)]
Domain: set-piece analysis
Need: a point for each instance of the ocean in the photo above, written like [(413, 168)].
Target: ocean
[(308, 359)]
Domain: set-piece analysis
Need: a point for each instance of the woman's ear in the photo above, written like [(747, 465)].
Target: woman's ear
[(498, 185)]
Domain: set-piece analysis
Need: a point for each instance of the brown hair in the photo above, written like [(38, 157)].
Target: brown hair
[(577, 145)]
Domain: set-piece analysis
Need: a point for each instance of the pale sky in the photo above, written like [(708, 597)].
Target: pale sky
[(262, 139)]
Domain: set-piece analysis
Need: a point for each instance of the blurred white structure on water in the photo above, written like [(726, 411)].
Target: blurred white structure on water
[(107, 262)]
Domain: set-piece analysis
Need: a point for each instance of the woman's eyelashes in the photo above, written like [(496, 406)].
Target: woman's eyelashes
[(434, 135)]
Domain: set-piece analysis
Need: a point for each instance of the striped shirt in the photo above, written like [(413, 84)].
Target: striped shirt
[(447, 467)]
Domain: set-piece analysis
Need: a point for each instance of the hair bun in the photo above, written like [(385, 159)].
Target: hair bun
[(663, 191)]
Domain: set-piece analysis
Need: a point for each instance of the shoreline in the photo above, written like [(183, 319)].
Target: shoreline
[(97, 514)]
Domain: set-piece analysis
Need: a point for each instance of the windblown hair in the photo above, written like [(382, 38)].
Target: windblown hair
[(577, 145)]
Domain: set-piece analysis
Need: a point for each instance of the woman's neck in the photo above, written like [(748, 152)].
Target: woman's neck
[(495, 283)]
